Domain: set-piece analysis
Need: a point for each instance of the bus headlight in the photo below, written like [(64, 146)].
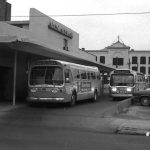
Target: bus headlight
[(129, 89), (114, 89), (33, 90)]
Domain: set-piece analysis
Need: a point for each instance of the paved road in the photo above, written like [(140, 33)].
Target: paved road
[(85, 115), (62, 128)]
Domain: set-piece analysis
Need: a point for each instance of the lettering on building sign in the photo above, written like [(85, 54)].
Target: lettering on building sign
[(60, 30)]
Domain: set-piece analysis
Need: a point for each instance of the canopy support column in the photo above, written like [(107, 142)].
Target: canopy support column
[(14, 79)]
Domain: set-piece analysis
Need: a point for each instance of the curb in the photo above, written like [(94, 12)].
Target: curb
[(10, 107), (118, 108), (134, 127), (123, 105), (132, 131), (128, 126)]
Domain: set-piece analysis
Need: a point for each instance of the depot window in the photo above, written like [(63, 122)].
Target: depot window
[(142, 70), (134, 68), (142, 60), (134, 60), (102, 59), (118, 61), (149, 70)]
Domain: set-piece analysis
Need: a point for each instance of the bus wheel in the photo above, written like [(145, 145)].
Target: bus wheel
[(95, 98), (114, 99), (73, 100), (145, 101), (32, 104)]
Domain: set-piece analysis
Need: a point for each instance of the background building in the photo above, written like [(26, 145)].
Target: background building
[(5, 11), (119, 55)]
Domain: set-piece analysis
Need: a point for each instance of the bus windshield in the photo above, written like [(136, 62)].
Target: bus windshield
[(49, 75), (122, 80)]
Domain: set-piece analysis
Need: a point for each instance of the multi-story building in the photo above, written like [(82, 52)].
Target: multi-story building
[(119, 55), (5, 11)]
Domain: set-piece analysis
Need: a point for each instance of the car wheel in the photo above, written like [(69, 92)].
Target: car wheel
[(145, 101)]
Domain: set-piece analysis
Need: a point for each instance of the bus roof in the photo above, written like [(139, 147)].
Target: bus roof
[(72, 65), (125, 71)]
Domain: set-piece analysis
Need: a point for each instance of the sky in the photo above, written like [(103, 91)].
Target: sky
[(96, 31)]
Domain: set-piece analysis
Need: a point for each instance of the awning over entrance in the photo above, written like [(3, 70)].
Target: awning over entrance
[(34, 47)]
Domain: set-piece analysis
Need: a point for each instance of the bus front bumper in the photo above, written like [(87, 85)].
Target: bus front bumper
[(35, 99), (121, 95)]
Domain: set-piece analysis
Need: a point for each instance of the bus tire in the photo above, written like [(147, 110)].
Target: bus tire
[(145, 101), (95, 98), (73, 100), (32, 104), (114, 99)]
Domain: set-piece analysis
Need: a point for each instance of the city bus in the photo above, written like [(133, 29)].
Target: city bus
[(124, 82), (57, 81)]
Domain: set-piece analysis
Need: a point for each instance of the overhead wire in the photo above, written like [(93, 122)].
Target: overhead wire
[(98, 14)]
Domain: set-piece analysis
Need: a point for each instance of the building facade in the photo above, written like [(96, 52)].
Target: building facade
[(119, 55), (5, 11)]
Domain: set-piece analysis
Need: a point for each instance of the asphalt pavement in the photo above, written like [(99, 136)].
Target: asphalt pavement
[(135, 120)]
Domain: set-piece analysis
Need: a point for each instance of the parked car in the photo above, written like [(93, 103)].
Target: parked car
[(143, 97)]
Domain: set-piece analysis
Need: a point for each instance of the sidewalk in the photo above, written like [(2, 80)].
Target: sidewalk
[(7, 106), (136, 121)]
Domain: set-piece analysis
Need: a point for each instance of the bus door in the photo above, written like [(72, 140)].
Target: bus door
[(68, 81)]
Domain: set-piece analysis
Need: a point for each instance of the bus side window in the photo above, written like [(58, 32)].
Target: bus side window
[(83, 75), (76, 74), (135, 79), (68, 76), (98, 76), (88, 75), (93, 76)]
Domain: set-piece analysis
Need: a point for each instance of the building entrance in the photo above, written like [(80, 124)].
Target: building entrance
[(6, 84)]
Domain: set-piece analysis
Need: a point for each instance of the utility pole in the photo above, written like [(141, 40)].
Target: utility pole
[(116, 62), (129, 63), (137, 66), (118, 38)]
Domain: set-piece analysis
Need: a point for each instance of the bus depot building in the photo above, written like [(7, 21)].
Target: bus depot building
[(23, 42)]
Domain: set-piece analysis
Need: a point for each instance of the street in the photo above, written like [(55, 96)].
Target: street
[(54, 127)]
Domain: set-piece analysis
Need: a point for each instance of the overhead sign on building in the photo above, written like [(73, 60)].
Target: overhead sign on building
[(60, 30)]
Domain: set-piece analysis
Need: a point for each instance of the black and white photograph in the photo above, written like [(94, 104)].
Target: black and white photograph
[(74, 75)]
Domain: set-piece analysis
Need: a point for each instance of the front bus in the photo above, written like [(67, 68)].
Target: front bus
[(46, 82), (121, 84), (59, 81)]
